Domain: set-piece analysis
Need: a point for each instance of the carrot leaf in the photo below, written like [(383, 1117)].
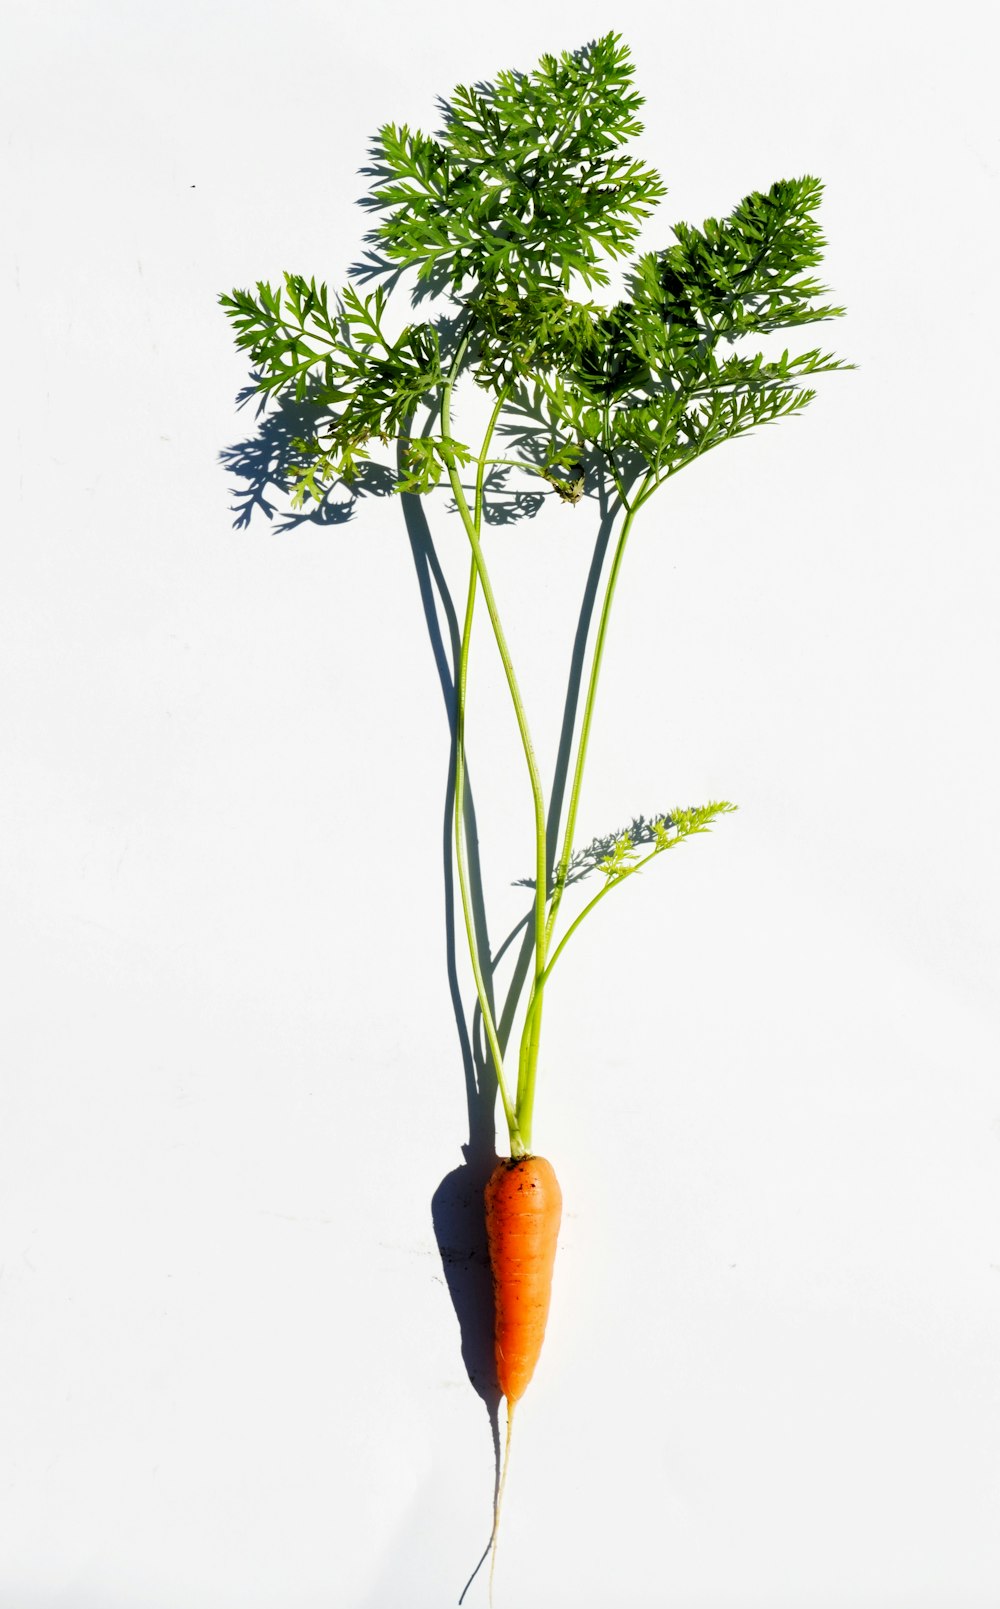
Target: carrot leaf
[(615, 853)]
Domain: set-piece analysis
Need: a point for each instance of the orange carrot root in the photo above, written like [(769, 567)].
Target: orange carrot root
[(523, 1212)]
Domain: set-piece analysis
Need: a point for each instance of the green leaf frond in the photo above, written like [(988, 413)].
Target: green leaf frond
[(550, 422), (645, 382), (365, 383), (290, 332), (312, 472), (652, 380), (616, 853), (535, 331), (748, 272), (667, 435), (620, 860), (427, 458), (527, 181), (525, 185)]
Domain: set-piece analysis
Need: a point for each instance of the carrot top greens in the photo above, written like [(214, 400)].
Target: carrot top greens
[(518, 200)]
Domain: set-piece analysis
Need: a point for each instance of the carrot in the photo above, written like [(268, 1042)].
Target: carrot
[(523, 1210)]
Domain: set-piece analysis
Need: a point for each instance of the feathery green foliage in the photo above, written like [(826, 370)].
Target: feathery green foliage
[(506, 218), (615, 853), (518, 195), (527, 182)]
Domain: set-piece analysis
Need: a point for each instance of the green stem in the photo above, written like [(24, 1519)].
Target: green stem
[(461, 679), (489, 1025), (528, 1062), (483, 460), (557, 952), (532, 1019), (472, 520), (562, 865), (527, 1071)]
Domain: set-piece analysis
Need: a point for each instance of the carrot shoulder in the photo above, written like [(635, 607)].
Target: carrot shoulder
[(523, 1212)]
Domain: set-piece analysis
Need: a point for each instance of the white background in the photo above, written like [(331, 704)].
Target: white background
[(231, 1370)]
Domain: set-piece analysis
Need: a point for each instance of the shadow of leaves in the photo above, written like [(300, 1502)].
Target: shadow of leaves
[(262, 464)]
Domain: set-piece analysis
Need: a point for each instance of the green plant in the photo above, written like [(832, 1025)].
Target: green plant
[(508, 215)]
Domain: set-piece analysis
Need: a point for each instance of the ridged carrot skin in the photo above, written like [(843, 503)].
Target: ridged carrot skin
[(523, 1213)]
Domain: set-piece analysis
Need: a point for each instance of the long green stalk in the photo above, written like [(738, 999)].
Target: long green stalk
[(489, 1026), (461, 678), (530, 1038), (472, 520), (562, 865)]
